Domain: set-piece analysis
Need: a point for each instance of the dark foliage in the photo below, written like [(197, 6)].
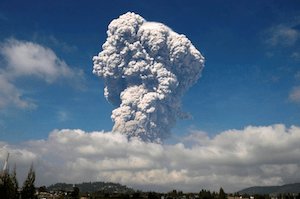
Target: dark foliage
[(28, 189)]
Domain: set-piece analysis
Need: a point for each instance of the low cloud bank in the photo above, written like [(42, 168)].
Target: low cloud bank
[(234, 159)]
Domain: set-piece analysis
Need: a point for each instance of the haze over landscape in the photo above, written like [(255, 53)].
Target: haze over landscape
[(190, 94)]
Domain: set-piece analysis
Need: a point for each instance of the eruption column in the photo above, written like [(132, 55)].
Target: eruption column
[(146, 68)]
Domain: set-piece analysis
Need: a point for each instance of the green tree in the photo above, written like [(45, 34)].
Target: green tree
[(205, 194), (5, 185), (28, 189), (153, 195), (15, 184), (75, 193), (8, 185), (42, 189), (222, 194), (136, 195)]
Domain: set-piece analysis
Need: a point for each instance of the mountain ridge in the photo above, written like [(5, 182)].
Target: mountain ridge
[(287, 188)]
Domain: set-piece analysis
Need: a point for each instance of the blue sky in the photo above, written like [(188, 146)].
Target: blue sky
[(251, 75), (251, 63)]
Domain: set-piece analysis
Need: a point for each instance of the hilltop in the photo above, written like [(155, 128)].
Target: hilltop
[(288, 188)]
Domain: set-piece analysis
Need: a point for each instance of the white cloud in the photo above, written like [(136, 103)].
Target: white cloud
[(295, 94), (233, 159), (283, 34), (9, 94), (26, 59)]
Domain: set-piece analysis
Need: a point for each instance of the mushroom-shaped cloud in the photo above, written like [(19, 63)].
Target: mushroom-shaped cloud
[(146, 68)]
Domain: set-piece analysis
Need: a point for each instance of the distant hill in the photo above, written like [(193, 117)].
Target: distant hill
[(91, 187), (288, 188)]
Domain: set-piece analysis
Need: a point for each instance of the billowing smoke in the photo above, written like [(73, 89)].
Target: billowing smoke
[(146, 68)]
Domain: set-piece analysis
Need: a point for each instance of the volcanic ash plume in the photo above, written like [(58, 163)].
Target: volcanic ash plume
[(146, 68)]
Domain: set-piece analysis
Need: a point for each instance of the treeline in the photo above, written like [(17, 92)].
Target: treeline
[(9, 186), (91, 187), (206, 194), (203, 194)]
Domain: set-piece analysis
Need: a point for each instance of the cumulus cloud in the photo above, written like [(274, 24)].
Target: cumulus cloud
[(234, 159), (10, 94), (27, 59), (146, 68)]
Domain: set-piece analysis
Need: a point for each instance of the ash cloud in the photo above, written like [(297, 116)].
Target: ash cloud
[(146, 68)]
